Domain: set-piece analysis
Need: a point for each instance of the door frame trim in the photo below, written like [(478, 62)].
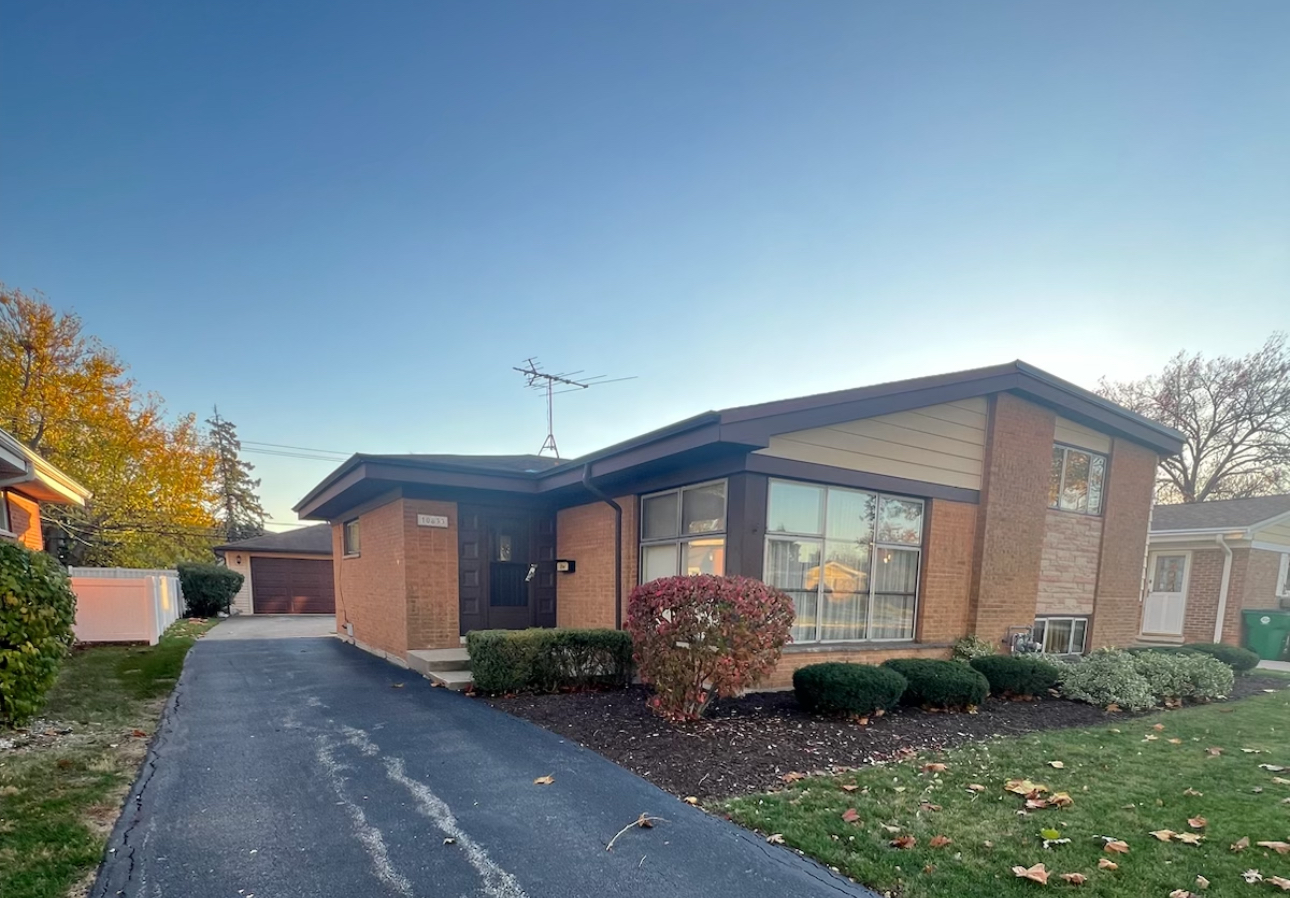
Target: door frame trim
[(1186, 590)]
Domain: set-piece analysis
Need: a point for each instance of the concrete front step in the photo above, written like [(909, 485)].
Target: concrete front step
[(423, 661), (456, 680)]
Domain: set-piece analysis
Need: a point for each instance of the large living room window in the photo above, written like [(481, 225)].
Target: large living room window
[(683, 531), (1077, 480), (849, 559)]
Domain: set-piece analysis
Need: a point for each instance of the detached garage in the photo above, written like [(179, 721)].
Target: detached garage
[(286, 573)]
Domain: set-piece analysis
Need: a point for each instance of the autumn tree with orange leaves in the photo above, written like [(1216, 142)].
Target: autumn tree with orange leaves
[(68, 397)]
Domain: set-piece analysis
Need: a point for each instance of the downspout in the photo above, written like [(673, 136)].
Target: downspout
[(618, 542), (1223, 585)]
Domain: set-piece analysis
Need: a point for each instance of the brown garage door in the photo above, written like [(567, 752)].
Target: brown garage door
[(292, 586)]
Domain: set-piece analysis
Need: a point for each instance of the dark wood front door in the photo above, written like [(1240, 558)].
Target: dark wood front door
[(506, 563)]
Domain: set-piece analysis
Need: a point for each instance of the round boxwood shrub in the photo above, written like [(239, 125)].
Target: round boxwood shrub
[(1019, 675), (939, 684), (704, 636), (855, 689), (208, 588), (1235, 657), (37, 610)]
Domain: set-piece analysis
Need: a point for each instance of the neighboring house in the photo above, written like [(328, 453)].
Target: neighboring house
[(1210, 560), (26, 482), (985, 501), (285, 573)]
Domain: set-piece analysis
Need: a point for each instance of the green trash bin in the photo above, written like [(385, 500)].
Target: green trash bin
[(1266, 631)]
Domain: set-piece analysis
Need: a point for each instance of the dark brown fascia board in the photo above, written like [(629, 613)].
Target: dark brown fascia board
[(790, 469)]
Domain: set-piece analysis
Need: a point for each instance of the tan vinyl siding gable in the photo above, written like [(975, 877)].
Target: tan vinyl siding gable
[(942, 444), (1072, 434), (1278, 534)]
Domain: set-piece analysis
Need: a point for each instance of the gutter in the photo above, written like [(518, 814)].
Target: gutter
[(618, 542), (1223, 587)]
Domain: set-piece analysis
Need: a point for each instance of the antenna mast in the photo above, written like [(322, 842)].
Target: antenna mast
[(545, 382)]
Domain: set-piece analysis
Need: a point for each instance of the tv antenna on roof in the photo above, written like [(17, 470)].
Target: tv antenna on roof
[(552, 384)]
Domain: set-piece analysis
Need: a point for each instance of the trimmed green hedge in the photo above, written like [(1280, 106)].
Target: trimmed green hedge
[(838, 688), (548, 660), (208, 588), (37, 609), (940, 684), (1017, 674), (1235, 657)]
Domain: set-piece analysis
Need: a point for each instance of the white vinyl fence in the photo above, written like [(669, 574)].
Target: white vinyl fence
[(116, 604)]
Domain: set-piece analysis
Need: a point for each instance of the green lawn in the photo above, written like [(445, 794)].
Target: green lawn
[(1124, 780), (58, 802)]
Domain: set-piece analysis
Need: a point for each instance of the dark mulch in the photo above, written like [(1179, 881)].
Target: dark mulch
[(748, 744)]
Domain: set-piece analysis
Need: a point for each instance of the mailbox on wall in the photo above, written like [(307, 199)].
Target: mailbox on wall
[(565, 565)]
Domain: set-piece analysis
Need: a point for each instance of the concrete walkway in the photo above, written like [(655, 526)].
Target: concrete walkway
[(1275, 665), (273, 626), (305, 767)]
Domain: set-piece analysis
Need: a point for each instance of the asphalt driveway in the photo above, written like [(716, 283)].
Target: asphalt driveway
[(305, 767)]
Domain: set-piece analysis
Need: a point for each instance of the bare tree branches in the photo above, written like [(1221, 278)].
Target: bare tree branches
[(1234, 414)]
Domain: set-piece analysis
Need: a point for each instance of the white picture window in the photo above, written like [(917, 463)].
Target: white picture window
[(1078, 480), (1061, 635), (849, 559), (683, 531)]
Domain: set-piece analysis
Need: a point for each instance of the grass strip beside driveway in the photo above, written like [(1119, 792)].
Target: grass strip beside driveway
[(62, 786), (1195, 772)]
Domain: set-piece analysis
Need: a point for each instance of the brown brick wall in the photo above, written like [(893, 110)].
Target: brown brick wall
[(946, 583), (24, 520), (1261, 580), (1010, 523), (782, 676), (371, 591), (1126, 517), (585, 533), (1203, 582), (1252, 585), (432, 594), (1068, 568)]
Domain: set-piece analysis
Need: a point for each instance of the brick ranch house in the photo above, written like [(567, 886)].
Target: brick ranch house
[(899, 517), (27, 481), (1211, 560)]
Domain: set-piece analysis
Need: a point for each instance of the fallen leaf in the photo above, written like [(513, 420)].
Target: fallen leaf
[(1175, 742), (450, 841), (940, 841), (929, 869), (1197, 822), (987, 844), (934, 767), (138, 734), (849, 787), (1049, 834), (691, 800), (1075, 879), (1281, 781), (1113, 707), (1061, 800), (775, 838), (850, 815), (1281, 882), (1059, 766), (1158, 727), (1036, 804), (644, 821), (1257, 790), (1150, 737), (1190, 791), (1023, 787), (975, 787), (544, 780), (1181, 893), (1105, 863), (904, 842), (1278, 847), (1115, 846), (1201, 882), (928, 806), (793, 776), (1213, 751), (1252, 876), (1164, 835), (1189, 838), (891, 829), (1241, 844), (1036, 873), (1252, 751), (1272, 768)]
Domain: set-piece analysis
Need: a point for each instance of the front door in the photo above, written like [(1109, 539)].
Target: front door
[(506, 564), (1166, 601), (510, 574)]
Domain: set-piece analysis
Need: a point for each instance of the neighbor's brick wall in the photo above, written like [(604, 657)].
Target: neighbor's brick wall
[(433, 600), (1010, 521), (1261, 580), (1068, 568), (782, 676), (24, 521), (946, 585), (585, 534), (371, 591), (1203, 581), (1252, 585), (1126, 517)]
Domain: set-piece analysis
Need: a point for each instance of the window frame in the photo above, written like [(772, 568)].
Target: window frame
[(345, 548), (1067, 449), (4, 514), (681, 538), (821, 540), (1283, 576), (1073, 619)]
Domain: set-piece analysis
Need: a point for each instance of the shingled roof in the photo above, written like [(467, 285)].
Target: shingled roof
[(312, 540), (1225, 514)]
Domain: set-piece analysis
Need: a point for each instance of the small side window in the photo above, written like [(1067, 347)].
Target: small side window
[(4, 511), (350, 537)]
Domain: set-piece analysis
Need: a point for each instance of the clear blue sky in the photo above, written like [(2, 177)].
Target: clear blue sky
[(345, 222)]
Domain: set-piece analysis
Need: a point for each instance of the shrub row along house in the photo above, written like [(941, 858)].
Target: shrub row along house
[(898, 517)]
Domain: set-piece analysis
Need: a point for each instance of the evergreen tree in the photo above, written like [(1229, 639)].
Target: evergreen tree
[(237, 507)]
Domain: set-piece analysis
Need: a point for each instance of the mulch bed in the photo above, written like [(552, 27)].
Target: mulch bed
[(748, 744)]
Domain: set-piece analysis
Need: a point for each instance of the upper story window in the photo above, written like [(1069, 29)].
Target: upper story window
[(349, 537), (1077, 481), (683, 531), (849, 559)]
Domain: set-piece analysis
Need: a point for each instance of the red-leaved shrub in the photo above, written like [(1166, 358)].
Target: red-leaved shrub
[(699, 637)]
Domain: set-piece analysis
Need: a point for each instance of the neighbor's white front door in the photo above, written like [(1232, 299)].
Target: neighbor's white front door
[(1166, 602)]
